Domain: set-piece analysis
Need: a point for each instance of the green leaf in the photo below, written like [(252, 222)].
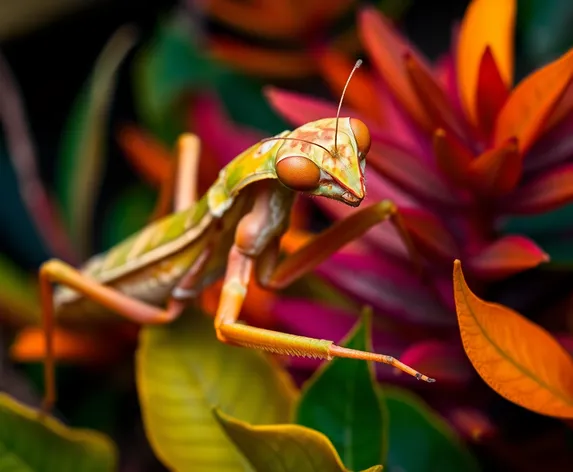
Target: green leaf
[(168, 67), (340, 401), (283, 447), (550, 230), (419, 439), (82, 154), (19, 303), (544, 30), (183, 372), (30, 445), (245, 103), (129, 213)]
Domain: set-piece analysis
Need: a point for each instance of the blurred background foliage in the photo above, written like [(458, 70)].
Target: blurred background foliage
[(84, 73)]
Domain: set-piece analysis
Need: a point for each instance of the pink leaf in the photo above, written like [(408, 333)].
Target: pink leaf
[(225, 138), (318, 320), (388, 287), (507, 256), (412, 174), (429, 233), (547, 192), (554, 147)]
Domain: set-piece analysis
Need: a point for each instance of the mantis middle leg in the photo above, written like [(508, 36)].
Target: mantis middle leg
[(241, 265), (56, 271), (179, 191)]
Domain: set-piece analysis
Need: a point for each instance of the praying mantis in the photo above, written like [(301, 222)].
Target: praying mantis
[(233, 231)]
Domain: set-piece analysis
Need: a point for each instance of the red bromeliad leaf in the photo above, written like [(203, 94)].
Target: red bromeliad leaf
[(517, 358), (496, 172), (225, 139), (486, 24), (445, 73), (429, 234), (412, 174), (440, 360), (452, 157), (492, 92), (386, 48), (553, 148), (507, 256), (361, 93), (545, 193), (300, 109), (431, 97), (531, 104)]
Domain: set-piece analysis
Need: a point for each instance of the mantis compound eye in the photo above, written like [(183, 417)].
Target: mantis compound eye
[(298, 173), (362, 136)]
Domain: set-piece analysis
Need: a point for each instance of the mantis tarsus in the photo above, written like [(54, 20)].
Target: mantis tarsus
[(234, 230)]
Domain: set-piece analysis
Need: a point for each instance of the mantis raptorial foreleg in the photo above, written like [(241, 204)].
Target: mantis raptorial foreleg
[(240, 267), (179, 191), (323, 245)]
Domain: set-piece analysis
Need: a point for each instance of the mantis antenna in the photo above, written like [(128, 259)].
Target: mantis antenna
[(356, 66)]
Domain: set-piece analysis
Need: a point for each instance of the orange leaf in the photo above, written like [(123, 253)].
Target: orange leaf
[(262, 61), (452, 157), (517, 358), (532, 102), (386, 48), (492, 93), (497, 171), (149, 157), (289, 19), (431, 96), (76, 346), (486, 23), (361, 92), (253, 17)]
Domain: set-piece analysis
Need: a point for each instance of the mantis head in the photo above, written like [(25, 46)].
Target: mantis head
[(326, 158)]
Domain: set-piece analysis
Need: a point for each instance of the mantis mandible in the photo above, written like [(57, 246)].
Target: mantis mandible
[(233, 231)]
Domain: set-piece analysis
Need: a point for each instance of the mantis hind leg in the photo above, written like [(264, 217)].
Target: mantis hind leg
[(179, 190), (56, 271)]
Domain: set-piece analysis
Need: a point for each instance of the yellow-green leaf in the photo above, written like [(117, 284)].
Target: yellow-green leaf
[(30, 445), (183, 372), (284, 447), (517, 358)]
